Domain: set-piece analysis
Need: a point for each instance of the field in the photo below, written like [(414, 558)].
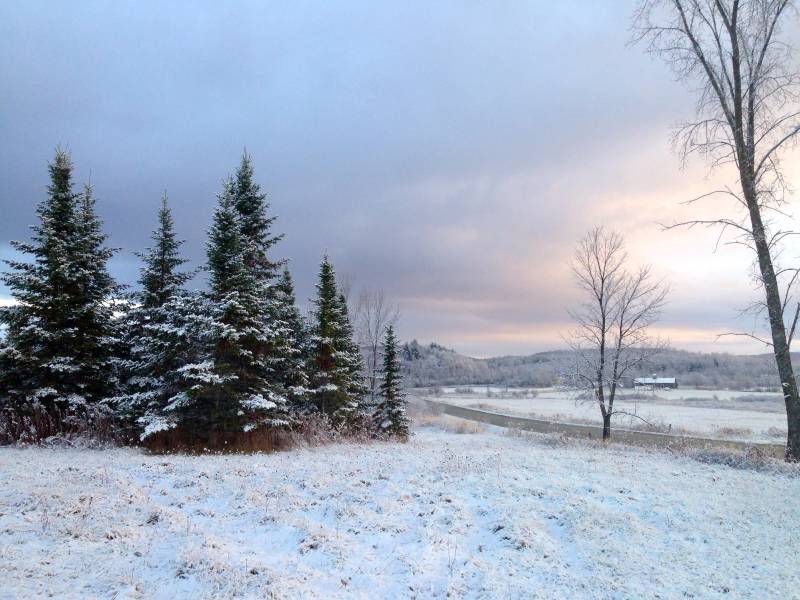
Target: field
[(480, 515), (748, 416)]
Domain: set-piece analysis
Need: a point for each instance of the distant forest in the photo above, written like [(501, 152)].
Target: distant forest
[(435, 365)]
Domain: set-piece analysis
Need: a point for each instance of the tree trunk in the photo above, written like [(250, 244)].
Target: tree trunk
[(607, 426), (780, 343)]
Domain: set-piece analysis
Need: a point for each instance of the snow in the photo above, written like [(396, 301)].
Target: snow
[(763, 422), (154, 424), (258, 402), (473, 516)]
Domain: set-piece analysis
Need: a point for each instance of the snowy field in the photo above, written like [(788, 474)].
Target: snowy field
[(484, 515), (755, 417)]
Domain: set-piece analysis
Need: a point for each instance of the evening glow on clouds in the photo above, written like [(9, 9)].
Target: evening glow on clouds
[(449, 153)]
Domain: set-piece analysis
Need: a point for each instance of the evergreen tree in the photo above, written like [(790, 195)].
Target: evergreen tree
[(283, 352), (291, 347), (350, 360), (159, 278), (98, 334), (160, 331), (60, 334), (255, 226), (232, 389), (172, 363), (336, 378), (390, 414)]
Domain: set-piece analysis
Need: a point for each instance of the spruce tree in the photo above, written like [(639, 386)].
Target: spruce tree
[(60, 334), (326, 393), (159, 278), (391, 415), (160, 331), (255, 225), (336, 382), (257, 241), (351, 361), (232, 388), (99, 334), (292, 346), (172, 364)]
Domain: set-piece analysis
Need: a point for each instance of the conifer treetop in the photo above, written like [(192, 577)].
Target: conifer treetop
[(224, 247), (159, 278), (256, 225)]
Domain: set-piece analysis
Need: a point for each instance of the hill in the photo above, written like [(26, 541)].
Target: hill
[(435, 365)]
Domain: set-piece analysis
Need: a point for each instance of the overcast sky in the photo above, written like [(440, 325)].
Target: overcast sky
[(450, 153)]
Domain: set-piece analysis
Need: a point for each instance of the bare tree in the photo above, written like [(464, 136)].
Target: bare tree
[(373, 314), (345, 283), (747, 114), (611, 338)]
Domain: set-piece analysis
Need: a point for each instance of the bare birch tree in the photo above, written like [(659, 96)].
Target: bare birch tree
[(611, 338), (747, 115), (373, 314)]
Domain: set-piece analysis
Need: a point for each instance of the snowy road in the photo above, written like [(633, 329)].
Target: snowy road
[(472, 516)]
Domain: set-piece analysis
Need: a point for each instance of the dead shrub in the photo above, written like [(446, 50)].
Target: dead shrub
[(34, 423), (312, 430)]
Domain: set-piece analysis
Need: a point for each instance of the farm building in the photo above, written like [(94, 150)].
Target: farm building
[(655, 383)]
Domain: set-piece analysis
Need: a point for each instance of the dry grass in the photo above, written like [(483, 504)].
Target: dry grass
[(457, 425), (431, 415), (312, 431), (751, 458), (759, 398), (448, 423), (34, 423), (775, 432), (620, 422), (733, 432), (184, 441)]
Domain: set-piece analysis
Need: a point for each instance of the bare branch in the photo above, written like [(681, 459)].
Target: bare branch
[(747, 335), (611, 336)]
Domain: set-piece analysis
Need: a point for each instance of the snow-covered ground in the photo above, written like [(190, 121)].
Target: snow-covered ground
[(469, 516), (760, 419)]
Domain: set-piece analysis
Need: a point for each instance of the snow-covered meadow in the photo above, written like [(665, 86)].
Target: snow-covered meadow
[(747, 416), (485, 515)]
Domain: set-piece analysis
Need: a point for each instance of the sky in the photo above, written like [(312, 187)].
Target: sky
[(448, 153)]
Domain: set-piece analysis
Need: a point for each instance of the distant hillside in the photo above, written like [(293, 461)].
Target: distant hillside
[(435, 365)]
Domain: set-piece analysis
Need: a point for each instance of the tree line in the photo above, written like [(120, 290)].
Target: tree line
[(431, 365), (233, 366)]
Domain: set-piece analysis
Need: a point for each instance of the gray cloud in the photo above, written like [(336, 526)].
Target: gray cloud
[(450, 152)]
